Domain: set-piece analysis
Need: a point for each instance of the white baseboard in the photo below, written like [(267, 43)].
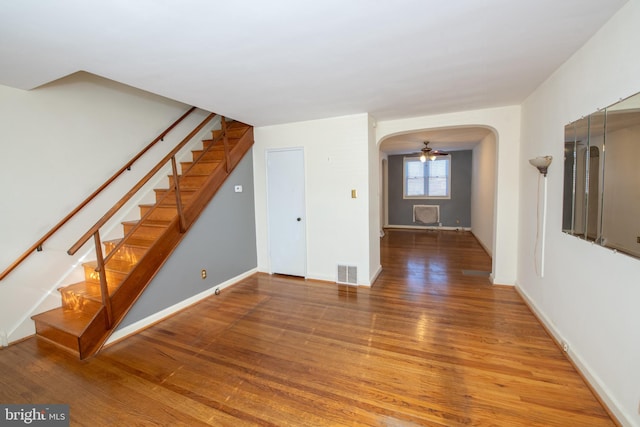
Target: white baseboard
[(501, 281), (602, 392), (486, 249), (375, 275), (428, 227), (163, 314)]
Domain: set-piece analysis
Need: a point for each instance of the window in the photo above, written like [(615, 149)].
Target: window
[(428, 180)]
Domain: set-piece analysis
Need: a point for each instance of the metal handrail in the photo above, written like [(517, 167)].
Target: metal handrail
[(37, 246)]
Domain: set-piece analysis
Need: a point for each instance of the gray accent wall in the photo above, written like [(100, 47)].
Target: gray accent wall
[(222, 241), (454, 212)]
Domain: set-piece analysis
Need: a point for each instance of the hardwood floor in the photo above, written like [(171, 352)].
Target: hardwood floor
[(432, 343)]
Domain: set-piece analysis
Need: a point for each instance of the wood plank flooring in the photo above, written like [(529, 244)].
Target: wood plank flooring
[(427, 345)]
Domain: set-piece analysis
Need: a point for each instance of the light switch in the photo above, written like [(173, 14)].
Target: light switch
[(238, 188)]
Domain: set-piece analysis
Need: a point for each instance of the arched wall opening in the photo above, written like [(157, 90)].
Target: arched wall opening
[(496, 174)]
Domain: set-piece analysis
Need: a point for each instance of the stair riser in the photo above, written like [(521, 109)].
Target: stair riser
[(78, 297), (190, 181), (159, 213), (126, 253), (147, 233), (187, 196), (144, 231), (114, 278), (58, 336), (219, 144), (231, 132), (200, 168), (217, 155)]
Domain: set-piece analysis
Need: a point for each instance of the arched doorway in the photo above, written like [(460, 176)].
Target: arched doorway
[(473, 159)]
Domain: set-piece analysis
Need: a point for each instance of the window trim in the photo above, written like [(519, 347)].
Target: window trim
[(404, 178)]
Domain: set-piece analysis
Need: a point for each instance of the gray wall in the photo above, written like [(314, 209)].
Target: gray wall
[(222, 241), (458, 208)]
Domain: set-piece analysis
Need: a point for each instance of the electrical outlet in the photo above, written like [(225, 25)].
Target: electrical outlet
[(4, 340), (565, 346), (203, 273)]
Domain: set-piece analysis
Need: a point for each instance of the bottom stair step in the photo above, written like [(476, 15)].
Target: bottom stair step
[(66, 327)]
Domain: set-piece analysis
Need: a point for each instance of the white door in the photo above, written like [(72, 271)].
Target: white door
[(286, 213)]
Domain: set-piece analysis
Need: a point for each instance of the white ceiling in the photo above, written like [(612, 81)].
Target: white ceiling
[(279, 61)]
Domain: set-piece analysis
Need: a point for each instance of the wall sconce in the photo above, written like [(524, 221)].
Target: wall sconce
[(542, 163)]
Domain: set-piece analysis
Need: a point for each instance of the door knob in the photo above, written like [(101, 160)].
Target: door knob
[(299, 219)]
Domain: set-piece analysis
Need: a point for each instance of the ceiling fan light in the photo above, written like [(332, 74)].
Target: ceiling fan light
[(432, 157), (423, 158)]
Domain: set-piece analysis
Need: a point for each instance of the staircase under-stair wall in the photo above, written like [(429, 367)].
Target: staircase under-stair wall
[(222, 243), (87, 316)]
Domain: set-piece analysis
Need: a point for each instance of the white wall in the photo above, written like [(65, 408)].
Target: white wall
[(374, 202), (59, 143), (483, 191), (337, 160), (505, 122), (589, 296)]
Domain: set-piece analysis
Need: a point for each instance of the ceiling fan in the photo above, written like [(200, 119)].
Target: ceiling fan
[(429, 153)]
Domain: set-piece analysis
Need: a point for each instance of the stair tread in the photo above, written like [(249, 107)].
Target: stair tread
[(161, 205), (190, 174), (112, 265), (132, 242), (216, 147), (141, 242), (162, 190), (231, 140), (86, 289), (171, 199), (72, 322), (204, 161), (148, 223)]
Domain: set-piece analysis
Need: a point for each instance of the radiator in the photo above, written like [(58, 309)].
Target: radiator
[(426, 214)]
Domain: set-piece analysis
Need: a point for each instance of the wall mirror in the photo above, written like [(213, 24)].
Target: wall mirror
[(601, 201)]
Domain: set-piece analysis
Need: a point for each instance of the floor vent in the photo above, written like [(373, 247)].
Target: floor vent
[(347, 274), (476, 273)]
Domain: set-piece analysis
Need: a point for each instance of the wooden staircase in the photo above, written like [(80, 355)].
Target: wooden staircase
[(87, 317)]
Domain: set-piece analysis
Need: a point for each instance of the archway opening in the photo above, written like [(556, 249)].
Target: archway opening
[(471, 203)]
